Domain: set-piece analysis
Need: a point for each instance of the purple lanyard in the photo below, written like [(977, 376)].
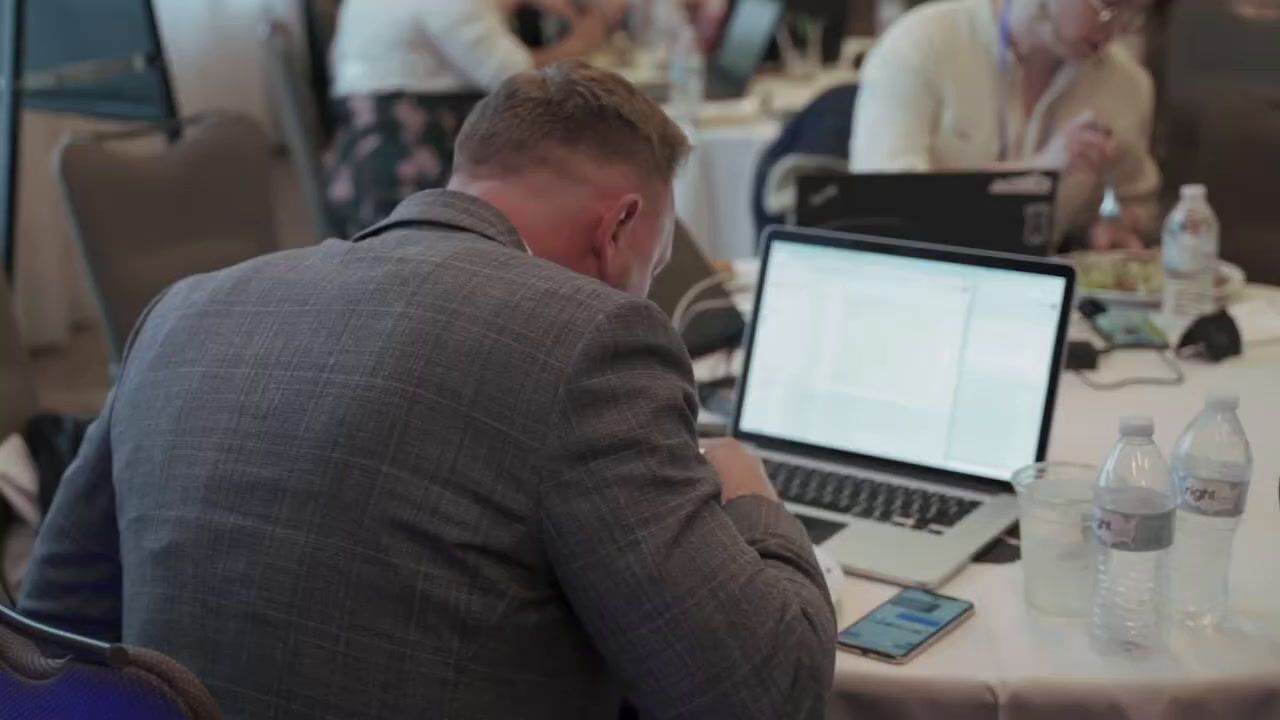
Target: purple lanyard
[(1006, 49)]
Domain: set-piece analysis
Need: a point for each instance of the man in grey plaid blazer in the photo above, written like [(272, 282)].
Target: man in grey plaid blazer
[(447, 469)]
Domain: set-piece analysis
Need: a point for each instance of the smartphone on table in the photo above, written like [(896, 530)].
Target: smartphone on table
[(905, 626), (1128, 329)]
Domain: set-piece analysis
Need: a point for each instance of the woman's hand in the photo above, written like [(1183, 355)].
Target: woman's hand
[(1082, 145), (1110, 234)]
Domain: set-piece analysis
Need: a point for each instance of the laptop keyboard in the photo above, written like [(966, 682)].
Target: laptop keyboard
[(869, 499)]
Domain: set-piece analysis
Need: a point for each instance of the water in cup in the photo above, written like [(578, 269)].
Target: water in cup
[(1055, 506)]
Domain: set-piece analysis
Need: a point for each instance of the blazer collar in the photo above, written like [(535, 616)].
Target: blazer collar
[(449, 210)]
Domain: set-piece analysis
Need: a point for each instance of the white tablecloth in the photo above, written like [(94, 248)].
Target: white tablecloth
[(1007, 663), (1011, 664), (715, 190)]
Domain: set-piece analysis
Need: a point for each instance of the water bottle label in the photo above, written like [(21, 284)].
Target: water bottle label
[(1182, 259), (1133, 532), (1214, 498)]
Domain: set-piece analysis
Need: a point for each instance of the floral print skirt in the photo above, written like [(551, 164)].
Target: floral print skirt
[(386, 148)]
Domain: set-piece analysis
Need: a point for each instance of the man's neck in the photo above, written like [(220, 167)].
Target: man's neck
[(543, 220)]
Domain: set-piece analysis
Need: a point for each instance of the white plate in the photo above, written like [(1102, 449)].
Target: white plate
[(1225, 291)]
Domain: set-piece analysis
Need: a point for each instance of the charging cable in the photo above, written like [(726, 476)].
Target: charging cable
[(1170, 360)]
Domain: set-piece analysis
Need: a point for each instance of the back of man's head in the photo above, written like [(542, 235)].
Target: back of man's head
[(582, 163), (534, 118)]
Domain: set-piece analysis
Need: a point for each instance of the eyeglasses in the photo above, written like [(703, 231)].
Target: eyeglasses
[(1120, 14)]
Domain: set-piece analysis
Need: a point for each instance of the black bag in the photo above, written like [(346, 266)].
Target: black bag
[(53, 441)]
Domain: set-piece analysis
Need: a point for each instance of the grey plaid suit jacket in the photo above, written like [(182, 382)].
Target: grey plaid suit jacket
[(426, 475)]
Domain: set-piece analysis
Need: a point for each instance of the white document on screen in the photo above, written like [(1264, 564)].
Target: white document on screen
[(931, 363)]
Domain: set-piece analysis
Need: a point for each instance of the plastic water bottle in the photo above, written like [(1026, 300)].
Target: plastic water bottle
[(1190, 249), (688, 77), (1133, 526), (1212, 465)]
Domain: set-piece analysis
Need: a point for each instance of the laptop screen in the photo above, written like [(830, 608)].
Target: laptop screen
[(938, 363)]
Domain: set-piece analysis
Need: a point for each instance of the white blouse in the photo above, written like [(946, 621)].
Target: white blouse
[(423, 46), (934, 89)]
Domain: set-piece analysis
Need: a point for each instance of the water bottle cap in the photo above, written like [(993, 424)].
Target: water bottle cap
[(1194, 192), (1227, 402), (1137, 427)]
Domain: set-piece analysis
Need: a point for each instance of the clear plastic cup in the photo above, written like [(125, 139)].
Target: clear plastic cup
[(1056, 506)]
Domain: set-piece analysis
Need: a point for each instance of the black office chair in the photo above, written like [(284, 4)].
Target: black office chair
[(815, 141), (45, 673)]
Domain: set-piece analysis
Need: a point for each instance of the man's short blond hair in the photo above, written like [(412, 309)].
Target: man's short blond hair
[(534, 118)]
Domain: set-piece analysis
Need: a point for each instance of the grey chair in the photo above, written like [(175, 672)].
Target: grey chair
[(46, 673), (17, 385), (145, 220), (297, 111)]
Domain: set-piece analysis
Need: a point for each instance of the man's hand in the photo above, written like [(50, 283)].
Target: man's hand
[(741, 473), (1082, 145)]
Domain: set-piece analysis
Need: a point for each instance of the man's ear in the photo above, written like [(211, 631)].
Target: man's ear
[(625, 215), (617, 226)]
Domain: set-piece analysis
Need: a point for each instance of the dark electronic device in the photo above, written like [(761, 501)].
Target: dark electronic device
[(1000, 212), (1090, 307), (708, 330), (905, 626), (1214, 337), (1081, 355)]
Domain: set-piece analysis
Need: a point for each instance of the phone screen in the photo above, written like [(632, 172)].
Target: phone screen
[(908, 621), (1129, 329)]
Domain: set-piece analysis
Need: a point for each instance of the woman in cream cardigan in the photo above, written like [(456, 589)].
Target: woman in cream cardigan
[(1010, 84)]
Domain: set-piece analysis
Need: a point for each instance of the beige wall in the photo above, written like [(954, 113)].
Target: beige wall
[(212, 48)]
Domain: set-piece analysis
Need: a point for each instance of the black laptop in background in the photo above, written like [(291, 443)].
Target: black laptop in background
[(999, 212)]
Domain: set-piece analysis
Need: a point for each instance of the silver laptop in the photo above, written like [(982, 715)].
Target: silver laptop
[(893, 388)]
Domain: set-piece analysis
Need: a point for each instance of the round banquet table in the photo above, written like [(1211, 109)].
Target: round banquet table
[(716, 186), (1008, 663)]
